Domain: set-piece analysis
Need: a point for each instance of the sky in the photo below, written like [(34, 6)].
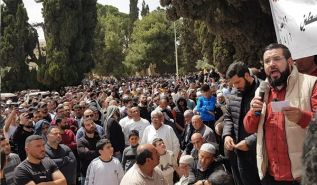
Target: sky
[(35, 12)]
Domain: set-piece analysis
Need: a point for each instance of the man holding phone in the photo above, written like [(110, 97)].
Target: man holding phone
[(10, 123), (24, 129)]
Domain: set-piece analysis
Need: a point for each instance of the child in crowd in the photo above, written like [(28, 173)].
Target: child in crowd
[(167, 160), (129, 153), (105, 168)]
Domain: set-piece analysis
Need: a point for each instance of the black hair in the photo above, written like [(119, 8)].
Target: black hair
[(58, 120), (2, 138), (205, 88), (237, 68), (134, 133), (3, 159), (126, 100), (286, 52), (101, 143), (32, 138), (42, 105), (141, 156)]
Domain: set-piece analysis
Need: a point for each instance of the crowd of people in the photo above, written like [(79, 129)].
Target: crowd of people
[(204, 129)]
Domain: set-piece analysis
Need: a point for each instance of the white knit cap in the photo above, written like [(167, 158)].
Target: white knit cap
[(186, 159), (207, 147)]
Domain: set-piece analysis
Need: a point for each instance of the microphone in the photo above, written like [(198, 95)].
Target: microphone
[(263, 87)]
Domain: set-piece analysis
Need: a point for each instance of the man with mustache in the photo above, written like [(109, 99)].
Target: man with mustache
[(280, 135), (24, 130), (239, 144), (12, 160), (36, 169), (86, 146), (68, 136)]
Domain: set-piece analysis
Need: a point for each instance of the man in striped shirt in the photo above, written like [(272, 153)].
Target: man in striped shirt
[(12, 161)]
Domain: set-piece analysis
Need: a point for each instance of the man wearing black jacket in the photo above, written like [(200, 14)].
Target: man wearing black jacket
[(237, 141), (86, 146), (61, 154), (24, 130)]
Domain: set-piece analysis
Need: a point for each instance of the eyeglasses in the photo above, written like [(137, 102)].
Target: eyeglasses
[(89, 116)]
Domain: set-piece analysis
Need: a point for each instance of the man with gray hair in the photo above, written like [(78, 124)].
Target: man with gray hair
[(207, 133), (186, 162), (159, 130), (186, 145), (202, 172)]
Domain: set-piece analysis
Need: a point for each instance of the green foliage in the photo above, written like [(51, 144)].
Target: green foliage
[(152, 42), (134, 11), (69, 30), (246, 26), (111, 41), (145, 9), (133, 15), (223, 53), (17, 42), (203, 64), (189, 46)]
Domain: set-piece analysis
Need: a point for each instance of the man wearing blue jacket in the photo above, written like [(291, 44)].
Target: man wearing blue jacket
[(206, 106)]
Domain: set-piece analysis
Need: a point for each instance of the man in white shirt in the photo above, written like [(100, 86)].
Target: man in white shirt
[(127, 118), (158, 130), (136, 123)]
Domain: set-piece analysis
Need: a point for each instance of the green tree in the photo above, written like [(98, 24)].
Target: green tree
[(133, 15), (111, 41), (245, 25), (189, 47), (17, 43), (69, 30), (134, 11), (145, 9), (152, 42)]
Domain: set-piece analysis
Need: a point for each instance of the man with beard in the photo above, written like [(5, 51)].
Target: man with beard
[(145, 110), (68, 136), (36, 169), (12, 160), (136, 123), (81, 131), (280, 134), (24, 130), (86, 146), (42, 108), (61, 154), (240, 144)]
